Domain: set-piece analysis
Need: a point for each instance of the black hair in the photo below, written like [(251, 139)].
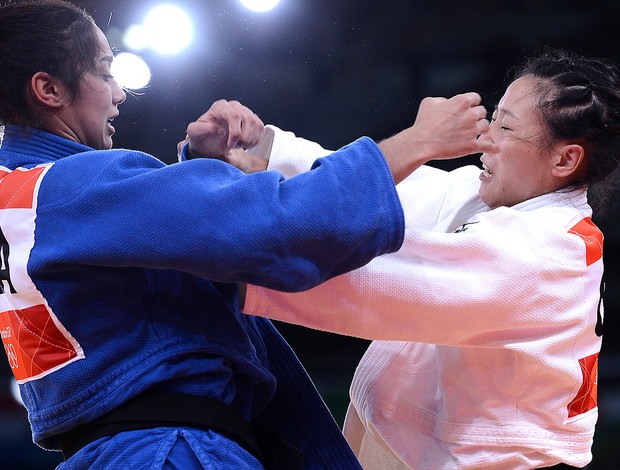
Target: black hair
[(579, 99), (52, 36)]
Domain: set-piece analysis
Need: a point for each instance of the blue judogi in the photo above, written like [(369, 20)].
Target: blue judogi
[(119, 276)]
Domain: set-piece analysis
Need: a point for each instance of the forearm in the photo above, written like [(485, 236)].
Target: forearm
[(291, 155), (443, 128), (454, 289), (226, 226), (394, 149)]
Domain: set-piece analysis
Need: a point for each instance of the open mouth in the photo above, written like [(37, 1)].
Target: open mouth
[(110, 126), (485, 171)]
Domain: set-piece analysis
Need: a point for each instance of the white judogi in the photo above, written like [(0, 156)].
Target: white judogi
[(485, 351)]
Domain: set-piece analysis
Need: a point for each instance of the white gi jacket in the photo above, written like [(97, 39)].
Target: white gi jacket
[(485, 351)]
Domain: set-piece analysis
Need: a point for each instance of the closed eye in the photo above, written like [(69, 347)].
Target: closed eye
[(493, 119)]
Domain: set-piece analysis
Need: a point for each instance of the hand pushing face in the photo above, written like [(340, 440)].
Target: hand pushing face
[(521, 169)]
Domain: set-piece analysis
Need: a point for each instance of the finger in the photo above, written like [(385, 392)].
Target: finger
[(229, 116), (235, 132), (250, 130), (470, 99), (481, 112), (239, 119), (199, 130), (253, 132), (482, 126), (486, 146), (219, 107)]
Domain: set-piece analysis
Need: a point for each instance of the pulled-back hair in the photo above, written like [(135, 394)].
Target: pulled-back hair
[(579, 99), (51, 36)]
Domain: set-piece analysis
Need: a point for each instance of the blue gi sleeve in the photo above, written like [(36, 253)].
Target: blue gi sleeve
[(205, 217)]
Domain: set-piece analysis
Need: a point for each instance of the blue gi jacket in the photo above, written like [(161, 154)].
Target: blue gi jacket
[(119, 275)]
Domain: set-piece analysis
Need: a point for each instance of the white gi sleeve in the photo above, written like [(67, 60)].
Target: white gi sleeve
[(501, 280), (431, 198)]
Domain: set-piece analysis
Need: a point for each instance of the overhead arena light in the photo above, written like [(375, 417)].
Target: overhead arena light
[(260, 5), (130, 71), (167, 29)]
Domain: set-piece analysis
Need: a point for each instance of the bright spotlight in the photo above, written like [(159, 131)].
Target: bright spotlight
[(168, 29), (130, 71), (135, 37), (260, 5)]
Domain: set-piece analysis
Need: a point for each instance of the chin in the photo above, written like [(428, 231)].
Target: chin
[(486, 199)]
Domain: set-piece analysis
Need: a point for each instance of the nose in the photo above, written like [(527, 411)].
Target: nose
[(118, 94)]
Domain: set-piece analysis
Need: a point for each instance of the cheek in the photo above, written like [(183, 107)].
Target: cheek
[(103, 100)]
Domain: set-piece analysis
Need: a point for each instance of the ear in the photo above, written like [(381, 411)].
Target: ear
[(47, 90), (568, 161)]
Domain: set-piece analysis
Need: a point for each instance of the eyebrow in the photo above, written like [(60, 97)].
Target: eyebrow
[(506, 111), (107, 58)]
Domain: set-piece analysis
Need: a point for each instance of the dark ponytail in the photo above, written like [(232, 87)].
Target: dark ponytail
[(51, 36)]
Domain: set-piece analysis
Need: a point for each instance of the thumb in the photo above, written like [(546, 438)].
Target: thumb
[(486, 146)]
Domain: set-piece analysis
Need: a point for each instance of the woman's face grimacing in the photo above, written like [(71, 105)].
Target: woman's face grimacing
[(522, 169), (89, 116)]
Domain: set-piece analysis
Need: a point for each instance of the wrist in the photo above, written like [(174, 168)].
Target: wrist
[(403, 154)]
